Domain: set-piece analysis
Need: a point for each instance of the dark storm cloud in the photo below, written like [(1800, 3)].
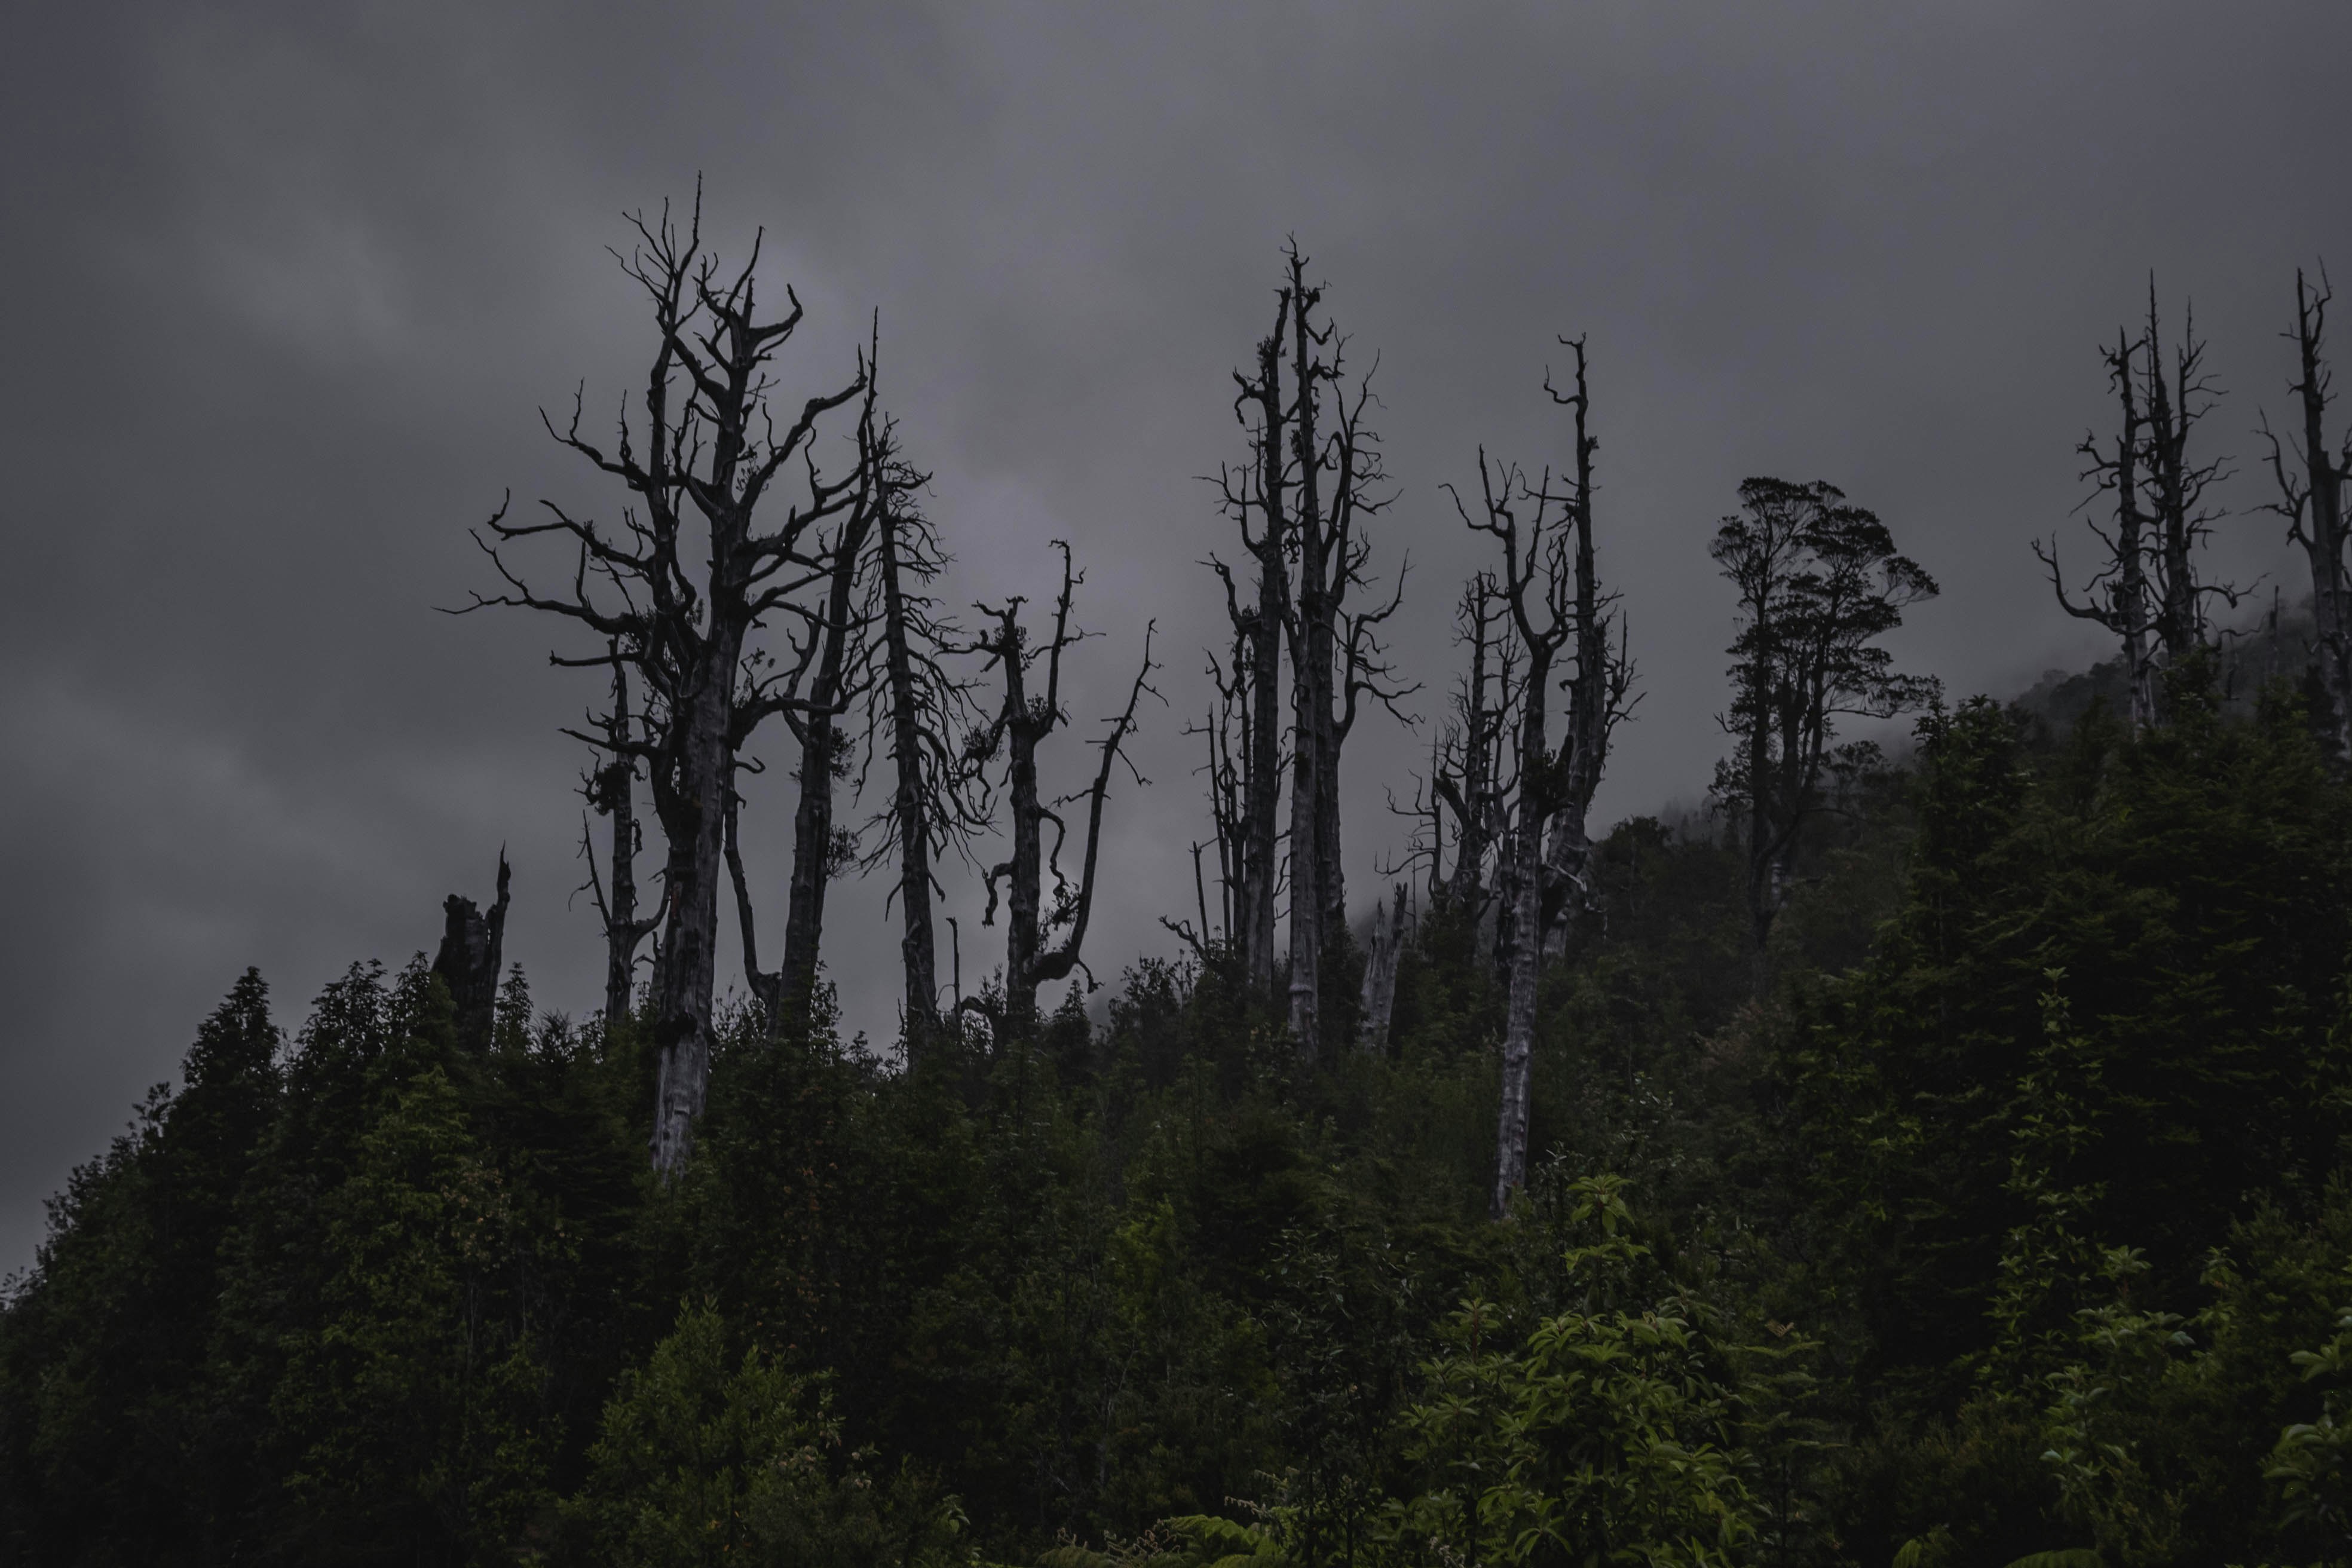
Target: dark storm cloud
[(284, 287)]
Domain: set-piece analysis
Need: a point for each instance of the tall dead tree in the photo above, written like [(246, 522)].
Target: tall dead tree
[(469, 959), (831, 673), (2117, 595), (699, 562), (1597, 691), (1536, 587), (2175, 483), (1313, 478), (1021, 725), (611, 789), (915, 711), (1260, 489), (1335, 486), (1469, 774), (1819, 583), (2311, 498), (1550, 588), (1226, 728)]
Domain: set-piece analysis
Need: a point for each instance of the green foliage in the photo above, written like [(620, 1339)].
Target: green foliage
[(2312, 1462), (707, 1459), (1604, 1435), (2011, 1223)]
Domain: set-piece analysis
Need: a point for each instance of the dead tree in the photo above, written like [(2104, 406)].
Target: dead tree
[(2175, 484), (1313, 477), (1819, 583), (1260, 491), (1334, 485), (1226, 728), (470, 959), (611, 789), (1537, 588), (701, 465), (2311, 498), (2117, 595), (1021, 725), (915, 711), (1464, 781), (1597, 691), (832, 672)]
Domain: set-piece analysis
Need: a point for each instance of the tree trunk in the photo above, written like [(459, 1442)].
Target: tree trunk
[(471, 954), (820, 738), (693, 810), (1310, 687), (1527, 944), (616, 797), (2323, 531), (1262, 749), (917, 949)]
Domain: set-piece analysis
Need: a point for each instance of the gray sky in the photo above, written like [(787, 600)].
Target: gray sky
[(284, 286)]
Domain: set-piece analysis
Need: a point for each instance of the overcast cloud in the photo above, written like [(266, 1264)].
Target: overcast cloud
[(283, 287)]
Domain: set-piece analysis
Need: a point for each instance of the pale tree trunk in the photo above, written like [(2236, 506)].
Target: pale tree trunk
[(1527, 946), (693, 810)]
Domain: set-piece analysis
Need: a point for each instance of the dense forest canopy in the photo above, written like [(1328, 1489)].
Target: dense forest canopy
[(1931, 1150)]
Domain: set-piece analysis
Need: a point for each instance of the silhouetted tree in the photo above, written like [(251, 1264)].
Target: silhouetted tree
[(2311, 498), (1260, 489), (2117, 596), (2175, 481), (1466, 777), (916, 708), (1819, 583), (828, 672), (1596, 691), (611, 789), (707, 444), (1314, 477), (1020, 725)]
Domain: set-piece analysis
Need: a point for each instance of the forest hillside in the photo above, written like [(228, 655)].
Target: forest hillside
[(1931, 1151)]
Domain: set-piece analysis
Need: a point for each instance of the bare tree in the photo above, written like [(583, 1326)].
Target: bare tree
[(1464, 775), (1313, 478), (833, 660), (610, 790), (2175, 483), (705, 456), (1819, 583), (1260, 491), (1597, 691), (1537, 588), (2117, 596), (1021, 725), (2311, 498), (915, 710)]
